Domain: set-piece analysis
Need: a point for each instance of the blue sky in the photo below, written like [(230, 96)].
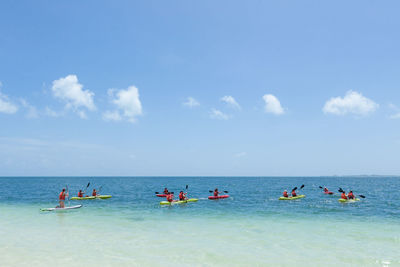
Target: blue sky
[(199, 87)]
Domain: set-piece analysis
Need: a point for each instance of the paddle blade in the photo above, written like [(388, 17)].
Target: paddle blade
[(294, 188), (362, 196), (340, 190), (210, 191), (302, 186), (226, 191), (320, 187), (187, 186), (157, 192), (88, 185)]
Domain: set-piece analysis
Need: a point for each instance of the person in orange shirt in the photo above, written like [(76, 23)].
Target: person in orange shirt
[(170, 197), (285, 194), (61, 198), (344, 195)]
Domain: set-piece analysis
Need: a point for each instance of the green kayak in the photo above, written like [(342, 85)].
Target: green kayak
[(178, 201), (341, 200), (91, 197), (292, 198)]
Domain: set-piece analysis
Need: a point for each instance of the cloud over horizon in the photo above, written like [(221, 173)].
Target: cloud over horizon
[(272, 105), (6, 106), (127, 102), (218, 115), (352, 103), (69, 90)]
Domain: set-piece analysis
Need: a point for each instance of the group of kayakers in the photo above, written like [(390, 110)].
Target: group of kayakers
[(63, 194), (182, 196), (350, 195)]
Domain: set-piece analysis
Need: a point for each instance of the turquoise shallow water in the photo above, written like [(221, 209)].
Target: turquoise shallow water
[(251, 228)]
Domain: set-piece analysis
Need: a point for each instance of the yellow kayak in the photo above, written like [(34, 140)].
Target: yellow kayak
[(178, 201), (91, 197), (292, 198)]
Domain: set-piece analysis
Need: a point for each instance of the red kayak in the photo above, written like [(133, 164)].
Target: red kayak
[(328, 193), (161, 195), (218, 197)]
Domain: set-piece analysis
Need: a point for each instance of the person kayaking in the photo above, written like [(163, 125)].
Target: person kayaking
[(170, 197), (61, 198), (182, 196), (94, 193), (326, 189), (350, 195), (343, 196), (294, 193), (285, 194), (80, 193), (216, 192), (166, 191)]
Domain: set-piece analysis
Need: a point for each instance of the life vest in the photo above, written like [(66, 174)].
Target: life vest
[(181, 196), (294, 193), (350, 196), (170, 197), (344, 196), (94, 193), (285, 194), (62, 196), (216, 193), (80, 194)]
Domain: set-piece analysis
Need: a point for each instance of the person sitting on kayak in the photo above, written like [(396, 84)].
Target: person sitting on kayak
[(166, 191), (182, 196), (61, 198), (216, 192), (94, 193), (170, 197), (351, 195), (285, 194), (294, 193), (80, 193), (344, 195)]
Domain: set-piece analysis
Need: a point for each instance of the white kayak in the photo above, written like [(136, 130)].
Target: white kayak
[(59, 209)]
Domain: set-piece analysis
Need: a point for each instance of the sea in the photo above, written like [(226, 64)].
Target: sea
[(250, 228)]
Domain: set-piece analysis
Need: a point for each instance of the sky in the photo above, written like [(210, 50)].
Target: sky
[(174, 88)]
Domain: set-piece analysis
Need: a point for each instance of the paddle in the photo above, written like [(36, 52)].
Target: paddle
[(186, 192), (84, 191), (68, 195), (213, 191)]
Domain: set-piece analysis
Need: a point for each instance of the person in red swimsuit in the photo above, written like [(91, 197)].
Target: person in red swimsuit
[(170, 197)]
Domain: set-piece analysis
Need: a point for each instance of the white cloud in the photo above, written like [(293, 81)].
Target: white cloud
[(230, 101), (112, 116), (352, 103), (70, 91), (272, 105), (191, 102), (219, 115), (127, 102), (6, 106), (32, 112)]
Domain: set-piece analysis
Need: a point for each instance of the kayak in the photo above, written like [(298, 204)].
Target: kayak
[(60, 209), (161, 195), (218, 197), (292, 198), (91, 197), (178, 201), (328, 193), (341, 200)]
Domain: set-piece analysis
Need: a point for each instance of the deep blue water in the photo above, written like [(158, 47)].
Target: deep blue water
[(250, 196)]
